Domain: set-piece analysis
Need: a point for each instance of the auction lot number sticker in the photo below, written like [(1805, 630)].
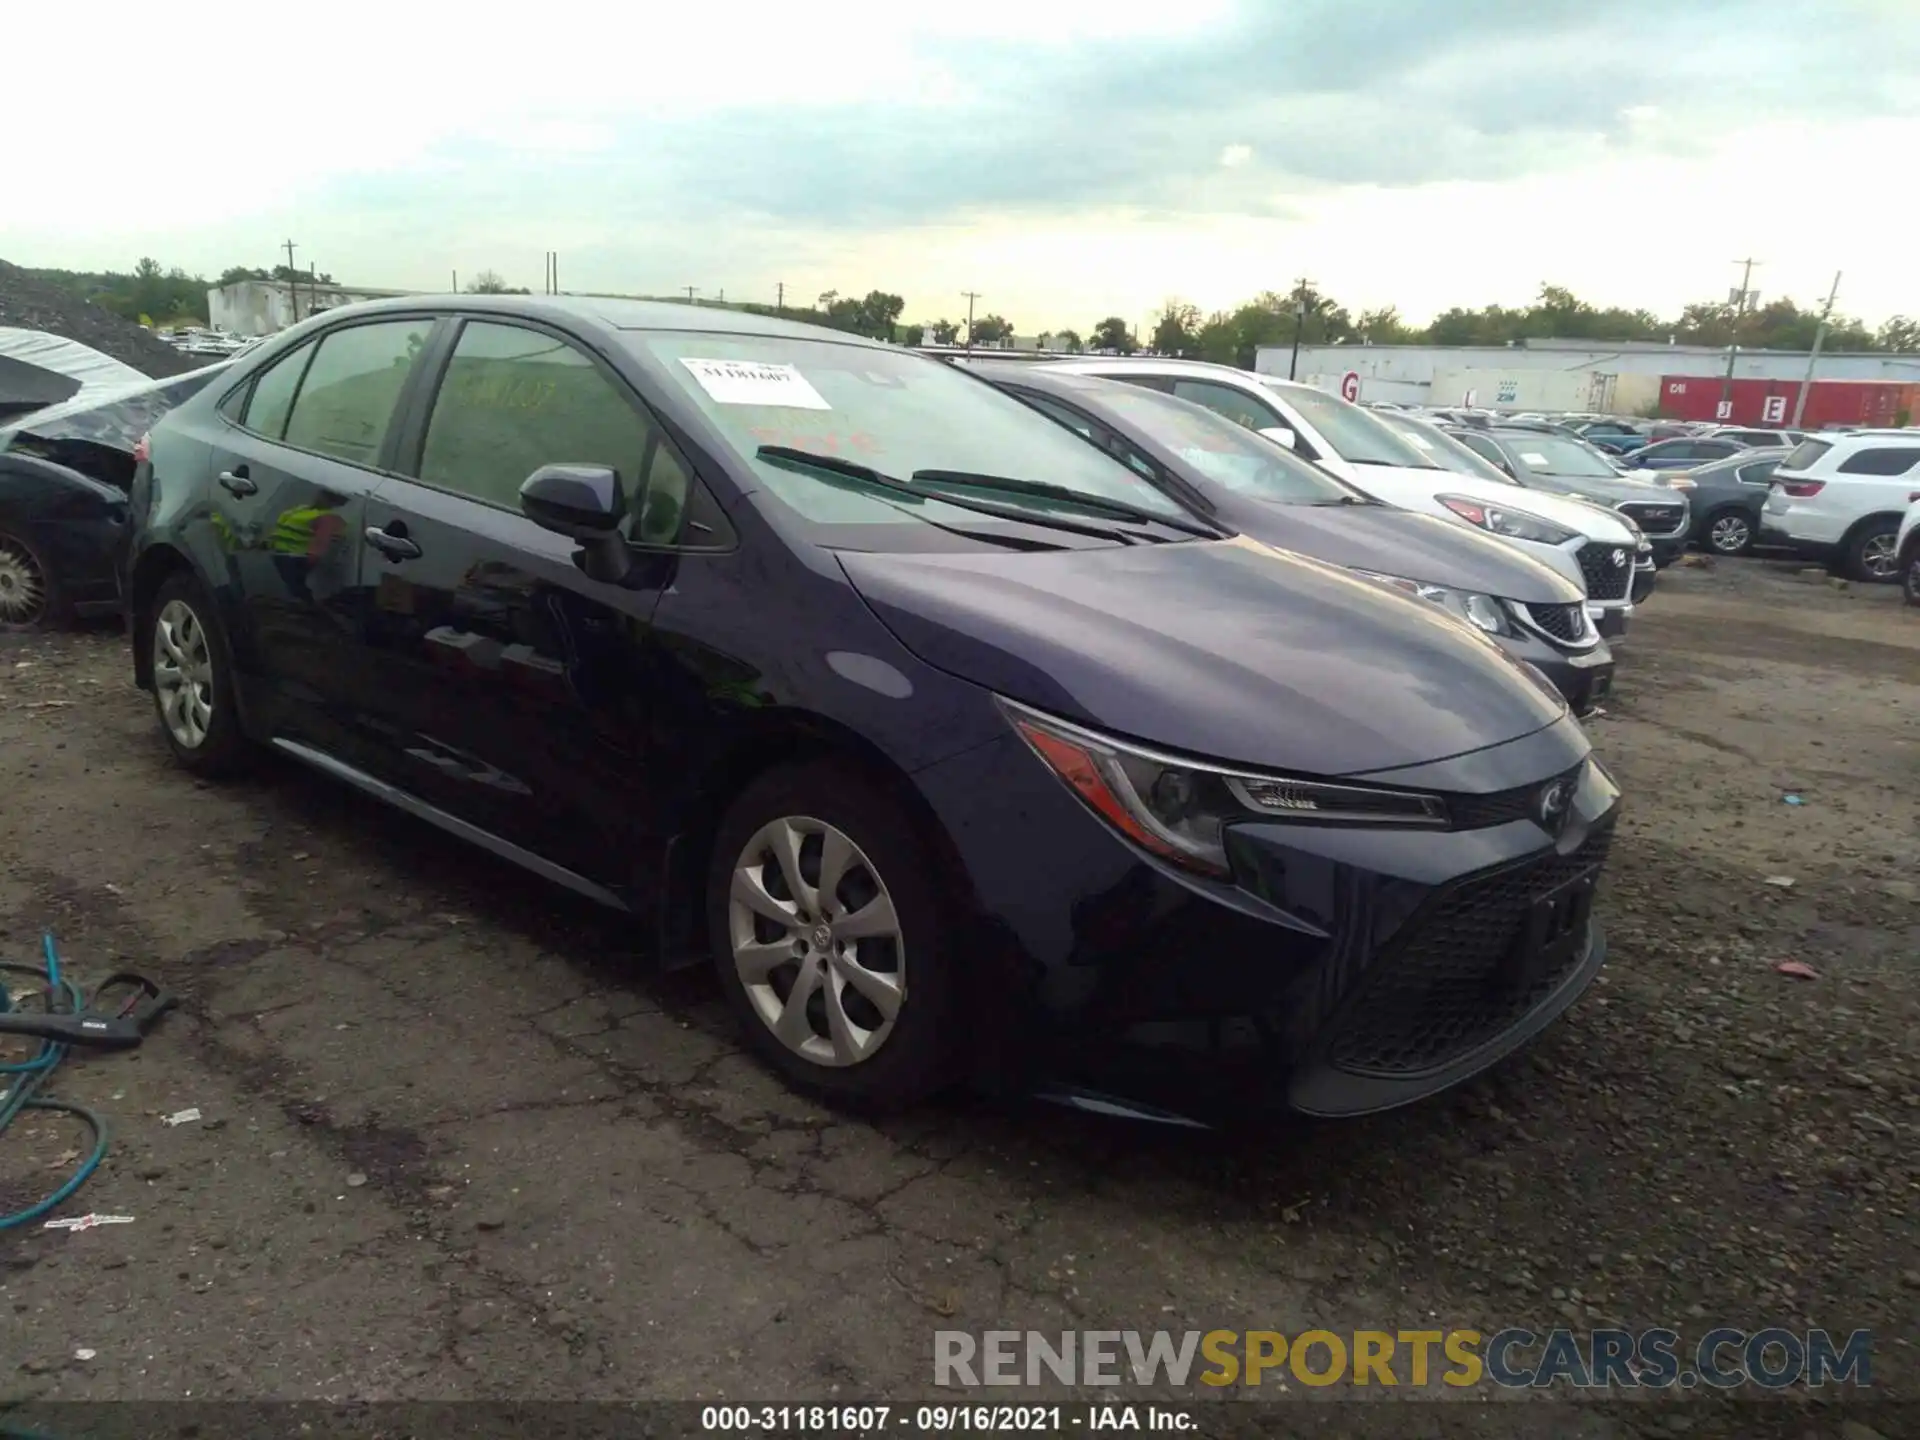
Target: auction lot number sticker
[(755, 382)]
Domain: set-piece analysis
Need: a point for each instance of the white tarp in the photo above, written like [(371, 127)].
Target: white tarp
[(97, 374)]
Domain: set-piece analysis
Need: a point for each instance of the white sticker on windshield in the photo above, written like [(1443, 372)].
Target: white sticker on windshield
[(1532, 458), (755, 382)]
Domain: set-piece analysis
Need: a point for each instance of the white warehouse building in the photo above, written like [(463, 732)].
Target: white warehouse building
[(262, 307), (1620, 378)]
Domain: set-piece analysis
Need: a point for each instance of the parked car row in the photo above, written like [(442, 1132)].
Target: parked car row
[(1071, 739)]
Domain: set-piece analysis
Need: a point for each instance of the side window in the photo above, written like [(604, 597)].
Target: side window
[(1758, 473), (264, 407), (1055, 411), (347, 398), (515, 399), (1485, 449), (1240, 408), (1883, 460)]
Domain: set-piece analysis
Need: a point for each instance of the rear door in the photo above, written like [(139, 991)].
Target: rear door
[(304, 443), (509, 682)]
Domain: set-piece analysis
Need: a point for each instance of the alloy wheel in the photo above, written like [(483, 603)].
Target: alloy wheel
[(816, 941), (23, 588), (1729, 534), (1877, 558), (183, 674)]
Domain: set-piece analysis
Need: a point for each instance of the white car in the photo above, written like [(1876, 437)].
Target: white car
[(1839, 499), (1907, 547), (1589, 545)]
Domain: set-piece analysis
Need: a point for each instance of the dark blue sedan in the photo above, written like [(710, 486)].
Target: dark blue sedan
[(956, 747)]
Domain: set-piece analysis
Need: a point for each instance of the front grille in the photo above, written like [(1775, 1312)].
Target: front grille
[(1566, 623), (1657, 519), (1606, 579), (1438, 992)]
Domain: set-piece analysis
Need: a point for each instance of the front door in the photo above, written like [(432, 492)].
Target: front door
[(511, 684), (301, 451)]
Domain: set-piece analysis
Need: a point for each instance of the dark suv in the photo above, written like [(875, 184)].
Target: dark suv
[(956, 746)]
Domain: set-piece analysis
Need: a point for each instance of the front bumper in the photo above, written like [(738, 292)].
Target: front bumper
[(1584, 678), (1343, 970)]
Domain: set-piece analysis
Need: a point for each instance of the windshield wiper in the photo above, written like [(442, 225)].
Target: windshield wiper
[(1041, 490), (789, 458)]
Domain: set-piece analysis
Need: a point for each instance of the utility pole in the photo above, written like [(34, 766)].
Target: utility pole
[(972, 295), (1300, 288), (690, 290), (456, 282), (293, 285), (1813, 357), (1741, 299), (780, 298)]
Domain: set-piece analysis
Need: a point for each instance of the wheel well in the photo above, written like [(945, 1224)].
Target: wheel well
[(150, 572), (1890, 517), (778, 742)]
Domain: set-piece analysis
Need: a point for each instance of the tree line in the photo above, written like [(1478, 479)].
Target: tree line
[(154, 295)]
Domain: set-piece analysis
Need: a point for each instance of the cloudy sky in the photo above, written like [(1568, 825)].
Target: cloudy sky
[(1066, 158)]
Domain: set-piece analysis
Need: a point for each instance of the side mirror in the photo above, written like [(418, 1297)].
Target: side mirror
[(1279, 434), (584, 503)]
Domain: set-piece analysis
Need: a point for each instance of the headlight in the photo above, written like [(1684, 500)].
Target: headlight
[(1179, 809), (1499, 520), (1483, 612)]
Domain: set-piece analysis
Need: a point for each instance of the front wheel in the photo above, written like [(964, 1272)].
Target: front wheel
[(1870, 555), (192, 680), (29, 598), (828, 934), (1730, 533), (1910, 575)]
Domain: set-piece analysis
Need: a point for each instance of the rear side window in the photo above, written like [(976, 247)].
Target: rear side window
[(265, 409), (1806, 455), (1758, 473), (347, 398), (1881, 460), (515, 399)]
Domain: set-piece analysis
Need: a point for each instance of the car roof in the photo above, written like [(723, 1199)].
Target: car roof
[(613, 312), (1167, 365)]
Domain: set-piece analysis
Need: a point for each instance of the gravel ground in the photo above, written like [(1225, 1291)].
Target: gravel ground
[(35, 304), (454, 1144)]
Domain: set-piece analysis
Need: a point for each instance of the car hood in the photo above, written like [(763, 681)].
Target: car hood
[(1230, 650), (1388, 481), (1607, 489), (1400, 542)]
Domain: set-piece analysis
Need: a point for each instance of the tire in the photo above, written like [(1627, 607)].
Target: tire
[(1910, 575), (868, 1062), (30, 597), (193, 680), (1732, 526), (1869, 556)]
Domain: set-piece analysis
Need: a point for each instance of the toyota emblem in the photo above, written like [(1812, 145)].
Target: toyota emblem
[(1554, 800), (1619, 558)]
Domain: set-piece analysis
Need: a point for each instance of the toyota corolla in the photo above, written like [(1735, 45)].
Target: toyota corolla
[(956, 747)]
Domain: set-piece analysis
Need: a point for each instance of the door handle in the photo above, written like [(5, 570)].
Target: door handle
[(235, 482), (394, 547)]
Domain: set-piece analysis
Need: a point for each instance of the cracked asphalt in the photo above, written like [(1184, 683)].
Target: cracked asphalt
[(456, 1143)]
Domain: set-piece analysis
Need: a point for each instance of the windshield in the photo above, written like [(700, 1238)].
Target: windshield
[(1442, 450), (1555, 455), (1225, 452), (1357, 436), (890, 410)]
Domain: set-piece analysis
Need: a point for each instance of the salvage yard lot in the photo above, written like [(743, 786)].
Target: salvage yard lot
[(456, 1144)]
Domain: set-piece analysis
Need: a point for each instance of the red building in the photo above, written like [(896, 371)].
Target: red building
[(1771, 402)]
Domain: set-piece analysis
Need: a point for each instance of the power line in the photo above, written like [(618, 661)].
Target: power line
[(1813, 356), (1301, 287), (1742, 298), (972, 295)]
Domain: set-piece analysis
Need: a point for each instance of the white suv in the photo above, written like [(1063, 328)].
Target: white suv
[(1907, 546), (1838, 499), (1591, 546)]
